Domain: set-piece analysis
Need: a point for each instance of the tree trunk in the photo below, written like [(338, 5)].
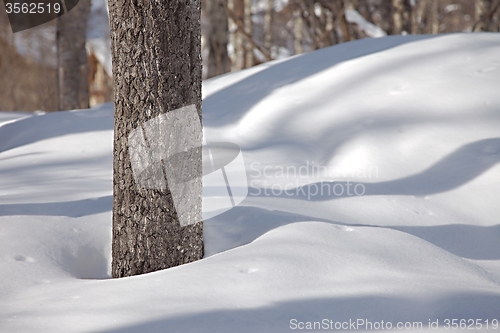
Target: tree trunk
[(156, 53), (72, 81), (268, 25), (435, 16), (218, 58), (397, 17), (297, 33), (239, 48), (417, 16), (248, 29), (401, 16), (344, 27), (485, 10)]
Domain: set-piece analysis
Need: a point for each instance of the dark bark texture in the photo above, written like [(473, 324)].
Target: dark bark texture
[(156, 50), (73, 84)]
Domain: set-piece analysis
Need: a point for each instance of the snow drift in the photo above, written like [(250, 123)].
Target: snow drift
[(412, 120)]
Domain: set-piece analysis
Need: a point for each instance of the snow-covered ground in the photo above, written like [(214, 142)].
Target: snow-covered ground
[(373, 197)]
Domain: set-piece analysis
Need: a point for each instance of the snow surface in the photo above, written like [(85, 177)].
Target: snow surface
[(412, 120)]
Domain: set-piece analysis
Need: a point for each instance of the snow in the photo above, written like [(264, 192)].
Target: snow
[(412, 120)]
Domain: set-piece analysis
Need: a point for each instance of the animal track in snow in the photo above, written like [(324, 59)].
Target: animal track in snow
[(20, 257)]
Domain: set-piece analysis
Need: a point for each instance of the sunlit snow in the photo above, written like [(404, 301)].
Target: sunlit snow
[(413, 121)]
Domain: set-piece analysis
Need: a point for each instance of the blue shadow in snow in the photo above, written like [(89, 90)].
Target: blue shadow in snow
[(452, 171), (276, 316), (75, 208), (229, 104)]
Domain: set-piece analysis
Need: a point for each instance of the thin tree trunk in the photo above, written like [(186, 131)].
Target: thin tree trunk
[(218, 58), (298, 29), (157, 74), (239, 48), (417, 16), (249, 61), (401, 17), (233, 32), (397, 17), (268, 25), (344, 27), (328, 37), (72, 76), (249, 39), (435, 16), (485, 9)]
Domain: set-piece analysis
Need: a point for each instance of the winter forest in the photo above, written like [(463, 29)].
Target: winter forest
[(236, 34), (249, 166)]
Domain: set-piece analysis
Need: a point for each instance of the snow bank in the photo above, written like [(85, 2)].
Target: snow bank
[(414, 120)]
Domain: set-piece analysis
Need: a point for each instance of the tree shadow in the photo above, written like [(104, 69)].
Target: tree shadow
[(230, 104), (278, 316), (243, 224), (243, 95), (452, 171), (85, 262), (466, 241), (76, 208)]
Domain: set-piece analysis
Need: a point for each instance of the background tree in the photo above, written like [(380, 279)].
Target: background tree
[(156, 69), (72, 74), (278, 29), (268, 19), (247, 19), (218, 58), (236, 11), (297, 33), (401, 11), (485, 15)]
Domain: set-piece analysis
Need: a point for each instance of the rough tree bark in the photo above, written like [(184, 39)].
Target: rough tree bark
[(156, 50), (72, 76), (218, 58)]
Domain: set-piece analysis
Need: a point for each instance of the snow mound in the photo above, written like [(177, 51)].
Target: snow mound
[(43, 126), (307, 271), (412, 120)]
